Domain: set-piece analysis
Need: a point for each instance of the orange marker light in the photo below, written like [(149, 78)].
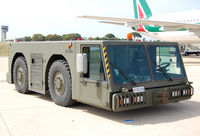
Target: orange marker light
[(120, 101), (130, 36), (69, 46)]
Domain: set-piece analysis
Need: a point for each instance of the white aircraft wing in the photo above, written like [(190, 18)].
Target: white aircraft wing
[(114, 23), (172, 26)]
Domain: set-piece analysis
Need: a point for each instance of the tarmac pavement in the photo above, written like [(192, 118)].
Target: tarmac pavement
[(36, 115)]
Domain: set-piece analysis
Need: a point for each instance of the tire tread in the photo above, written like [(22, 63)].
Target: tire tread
[(69, 101)]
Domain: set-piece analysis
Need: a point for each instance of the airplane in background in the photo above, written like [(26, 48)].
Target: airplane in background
[(177, 27)]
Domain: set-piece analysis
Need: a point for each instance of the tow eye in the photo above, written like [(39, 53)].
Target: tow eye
[(163, 97), (160, 98)]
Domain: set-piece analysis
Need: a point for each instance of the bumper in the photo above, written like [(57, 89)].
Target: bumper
[(130, 100)]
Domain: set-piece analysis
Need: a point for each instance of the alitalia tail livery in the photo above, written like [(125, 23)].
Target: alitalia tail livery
[(177, 27)]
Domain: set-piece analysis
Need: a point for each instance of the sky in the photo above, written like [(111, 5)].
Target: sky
[(27, 17)]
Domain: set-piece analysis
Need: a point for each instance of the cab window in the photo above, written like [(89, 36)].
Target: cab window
[(95, 65), (168, 60)]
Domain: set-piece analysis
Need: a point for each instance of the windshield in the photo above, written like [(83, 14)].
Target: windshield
[(131, 60), (166, 62)]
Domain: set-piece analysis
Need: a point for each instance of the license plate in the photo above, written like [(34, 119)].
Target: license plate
[(139, 89)]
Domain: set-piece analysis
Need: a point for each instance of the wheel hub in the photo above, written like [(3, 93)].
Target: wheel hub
[(20, 76), (59, 83)]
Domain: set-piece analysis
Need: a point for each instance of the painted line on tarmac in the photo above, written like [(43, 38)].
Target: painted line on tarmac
[(5, 124)]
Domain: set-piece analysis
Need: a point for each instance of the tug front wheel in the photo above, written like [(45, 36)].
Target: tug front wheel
[(60, 83)]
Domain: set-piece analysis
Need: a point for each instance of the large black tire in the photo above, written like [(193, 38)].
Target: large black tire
[(60, 83), (20, 75)]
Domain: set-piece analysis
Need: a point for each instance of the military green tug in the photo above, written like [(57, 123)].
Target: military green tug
[(113, 75)]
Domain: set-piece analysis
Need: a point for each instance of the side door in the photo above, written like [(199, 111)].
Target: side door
[(93, 86), (36, 69)]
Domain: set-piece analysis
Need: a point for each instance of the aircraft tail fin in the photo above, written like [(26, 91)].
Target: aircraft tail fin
[(141, 9)]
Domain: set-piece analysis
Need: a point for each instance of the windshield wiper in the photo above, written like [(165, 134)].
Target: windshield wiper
[(162, 71), (123, 73)]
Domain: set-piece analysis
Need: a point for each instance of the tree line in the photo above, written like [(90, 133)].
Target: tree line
[(72, 36), (53, 37)]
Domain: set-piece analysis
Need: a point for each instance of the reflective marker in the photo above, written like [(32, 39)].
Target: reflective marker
[(189, 91), (192, 91), (173, 94), (179, 93), (126, 100), (176, 93), (184, 92), (138, 99), (141, 98)]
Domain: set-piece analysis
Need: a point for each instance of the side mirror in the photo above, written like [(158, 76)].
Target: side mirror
[(81, 63)]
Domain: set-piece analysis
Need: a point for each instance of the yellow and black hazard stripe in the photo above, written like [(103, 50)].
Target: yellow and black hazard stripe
[(106, 60)]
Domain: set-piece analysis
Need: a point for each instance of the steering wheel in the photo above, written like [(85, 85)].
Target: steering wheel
[(164, 66)]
